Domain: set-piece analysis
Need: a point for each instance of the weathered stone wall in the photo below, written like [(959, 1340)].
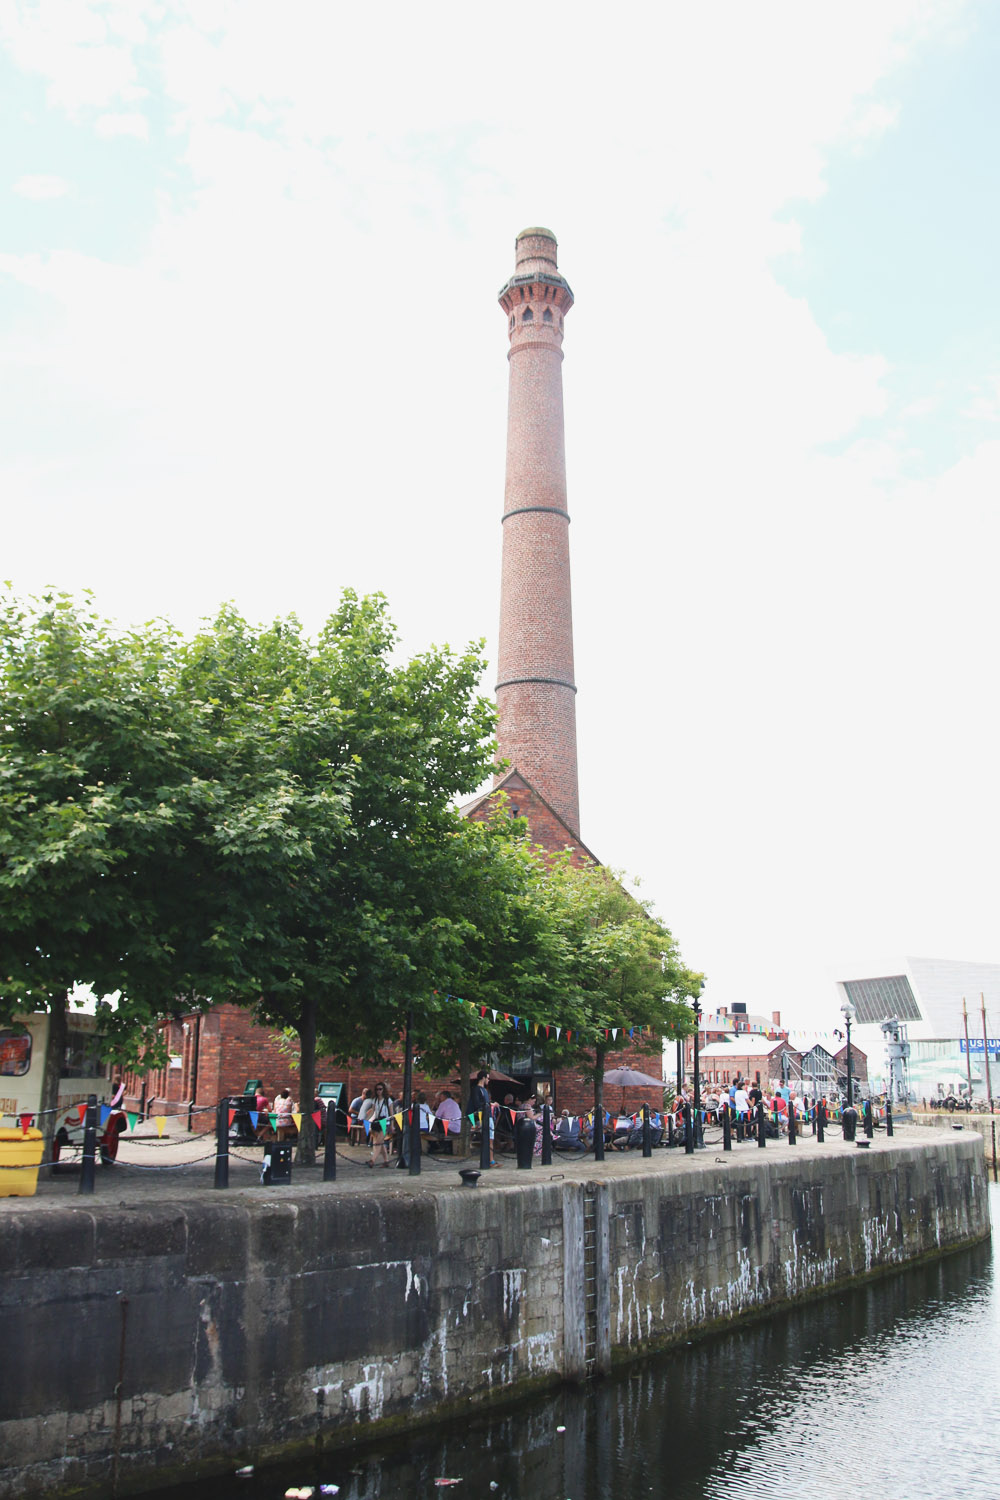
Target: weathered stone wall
[(159, 1342)]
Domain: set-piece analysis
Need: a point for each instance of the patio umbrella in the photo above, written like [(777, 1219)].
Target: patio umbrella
[(631, 1078)]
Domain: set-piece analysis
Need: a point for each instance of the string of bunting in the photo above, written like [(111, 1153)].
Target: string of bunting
[(535, 1028)]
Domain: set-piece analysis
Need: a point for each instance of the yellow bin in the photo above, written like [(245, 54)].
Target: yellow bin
[(20, 1156)]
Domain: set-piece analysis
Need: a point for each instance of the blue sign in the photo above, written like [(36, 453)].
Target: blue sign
[(976, 1044)]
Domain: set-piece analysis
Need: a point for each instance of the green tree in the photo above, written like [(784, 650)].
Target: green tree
[(326, 922), (95, 790), (621, 979)]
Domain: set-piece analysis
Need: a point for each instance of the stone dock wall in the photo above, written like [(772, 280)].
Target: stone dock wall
[(149, 1344)]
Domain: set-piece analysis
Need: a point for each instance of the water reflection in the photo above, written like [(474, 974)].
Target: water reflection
[(889, 1387)]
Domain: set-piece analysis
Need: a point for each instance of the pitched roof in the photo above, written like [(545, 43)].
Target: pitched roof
[(514, 782)]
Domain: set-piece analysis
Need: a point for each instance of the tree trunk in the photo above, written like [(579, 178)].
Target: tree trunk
[(55, 1055), (464, 1069), (599, 1057), (307, 1083)]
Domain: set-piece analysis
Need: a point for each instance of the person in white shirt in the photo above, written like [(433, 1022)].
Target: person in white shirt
[(375, 1110)]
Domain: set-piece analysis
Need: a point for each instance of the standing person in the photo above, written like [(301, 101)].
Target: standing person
[(481, 1104), (117, 1120), (375, 1110)]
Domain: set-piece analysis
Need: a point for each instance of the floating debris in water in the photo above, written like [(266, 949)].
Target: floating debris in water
[(329, 1489), (560, 1429), (441, 1483), (244, 1473), (305, 1492)]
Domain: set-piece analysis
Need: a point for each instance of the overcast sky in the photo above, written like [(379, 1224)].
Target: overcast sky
[(250, 350)]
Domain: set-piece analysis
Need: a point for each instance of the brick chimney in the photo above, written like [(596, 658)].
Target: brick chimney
[(536, 691)]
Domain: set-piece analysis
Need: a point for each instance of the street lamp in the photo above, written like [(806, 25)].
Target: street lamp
[(847, 1010), (696, 1005)]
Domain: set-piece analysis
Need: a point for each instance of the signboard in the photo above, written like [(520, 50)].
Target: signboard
[(976, 1044)]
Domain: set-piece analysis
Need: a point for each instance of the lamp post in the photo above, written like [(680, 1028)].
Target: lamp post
[(696, 1005), (847, 1010)]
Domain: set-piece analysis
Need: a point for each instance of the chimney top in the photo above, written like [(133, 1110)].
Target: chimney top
[(535, 249)]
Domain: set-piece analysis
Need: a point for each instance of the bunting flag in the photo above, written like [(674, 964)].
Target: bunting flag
[(81, 1111), (318, 1119), (132, 1118), (161, 1124), (254, 1117), (368, 1127), (444, 1122), (298, 1120), (232, 1116), (399, 1120), (106, 1115), (385, 1126), (25, 1123), (273, 1119), (534, 1027), (513, 1116)]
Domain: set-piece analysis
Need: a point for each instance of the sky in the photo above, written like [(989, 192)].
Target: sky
[(250, 350)]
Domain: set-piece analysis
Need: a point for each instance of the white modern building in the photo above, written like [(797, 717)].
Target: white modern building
[(926, 995)]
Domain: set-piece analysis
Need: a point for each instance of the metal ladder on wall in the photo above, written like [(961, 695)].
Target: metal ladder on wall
[(590, 1284)]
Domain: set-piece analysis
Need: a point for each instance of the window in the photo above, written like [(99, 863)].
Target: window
[(15, 1053), (875, 1000), (527, 316)]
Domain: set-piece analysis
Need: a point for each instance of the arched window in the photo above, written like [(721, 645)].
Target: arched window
[(527, 316), (547, 315)]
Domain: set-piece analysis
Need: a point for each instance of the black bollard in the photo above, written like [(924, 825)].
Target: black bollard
[(546, 1136), (869, 1119), (688, 1131), (330, 1142), (485, 1153), (670, 1129), (416, 1144), (222, 1144), (820, 1121), (598, 1137), (741, 1127), (699, 1129), (727, 1129), (647, 1139), (88, 1159), (888, 1117), (849, 1122), (791, 1123), (761, 1124), (524, 1141)]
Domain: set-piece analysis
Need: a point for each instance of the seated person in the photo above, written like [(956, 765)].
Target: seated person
[(426, 1117), (448, 1113), (503, 1134), (655, 1131), (284, 1109), (261, 1104), (568, 1135)]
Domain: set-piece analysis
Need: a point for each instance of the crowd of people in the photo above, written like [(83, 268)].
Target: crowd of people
[(372, 1117)]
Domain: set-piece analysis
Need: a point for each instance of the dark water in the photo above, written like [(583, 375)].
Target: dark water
[(891, 1390)]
